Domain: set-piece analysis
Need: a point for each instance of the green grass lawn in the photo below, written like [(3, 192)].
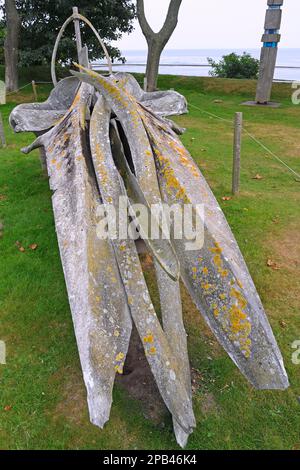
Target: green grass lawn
[(42, 395)]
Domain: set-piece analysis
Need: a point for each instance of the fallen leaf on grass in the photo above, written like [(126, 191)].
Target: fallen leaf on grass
[(8, 408), (226, 198), (283, 324), (33, 247), (273, 265), (258, 177), (20, 247)]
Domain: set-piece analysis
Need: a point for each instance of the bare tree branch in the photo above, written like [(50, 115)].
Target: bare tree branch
[(157, 41), (147, 30), (171, 21)]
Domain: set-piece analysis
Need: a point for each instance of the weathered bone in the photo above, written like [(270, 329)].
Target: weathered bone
[(125, 107), (161, 248), (163, 103), (216, 276), (97, 298), (163, 363), (171, 310), (40, 117), (220, 284), (105, 282)]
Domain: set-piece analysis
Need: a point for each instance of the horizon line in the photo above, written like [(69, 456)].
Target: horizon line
[(205, 48)]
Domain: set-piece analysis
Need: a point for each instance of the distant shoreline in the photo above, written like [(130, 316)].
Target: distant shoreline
[(193, 62)]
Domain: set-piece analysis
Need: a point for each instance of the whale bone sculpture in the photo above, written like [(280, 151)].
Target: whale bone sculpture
[(128, 149)]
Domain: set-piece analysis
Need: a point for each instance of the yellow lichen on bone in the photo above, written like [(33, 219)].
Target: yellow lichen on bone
[(172, 182), (241, 300), (120, 357), (149, 339), (218, 261), (216, 249)]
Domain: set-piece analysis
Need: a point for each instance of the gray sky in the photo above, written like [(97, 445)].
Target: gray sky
[(217, 24)]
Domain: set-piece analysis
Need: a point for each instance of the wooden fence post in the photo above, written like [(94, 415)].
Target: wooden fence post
[(34, 87), (238, 128), (77, 33), (145, 84)]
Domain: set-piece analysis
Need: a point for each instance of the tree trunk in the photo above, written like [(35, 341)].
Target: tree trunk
[(153, 61), (11, 45), (157, 41)]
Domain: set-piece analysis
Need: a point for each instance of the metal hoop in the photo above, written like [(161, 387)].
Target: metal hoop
[(76, 16)]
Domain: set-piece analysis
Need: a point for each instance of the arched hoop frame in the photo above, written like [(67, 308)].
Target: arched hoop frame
[(76, 16)]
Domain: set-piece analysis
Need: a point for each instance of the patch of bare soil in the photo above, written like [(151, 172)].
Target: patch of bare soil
[(137, 378), (287, 249), (282, 135), (208, 404), (73, 405), (139, 382), (284, 251)]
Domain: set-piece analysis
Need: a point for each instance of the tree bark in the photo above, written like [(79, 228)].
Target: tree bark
[(154, 54), (11, 45), (157, 41)]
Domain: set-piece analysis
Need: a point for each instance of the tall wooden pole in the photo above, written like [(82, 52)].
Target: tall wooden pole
[(34, 88), (238, 129), (78, 35), (268, 57)]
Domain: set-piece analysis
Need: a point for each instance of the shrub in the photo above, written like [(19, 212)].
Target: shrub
[(235, 66)]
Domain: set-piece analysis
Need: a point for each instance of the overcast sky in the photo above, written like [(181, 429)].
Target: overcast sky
[(218, 24)]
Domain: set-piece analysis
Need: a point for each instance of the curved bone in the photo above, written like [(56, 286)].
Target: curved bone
[(216, 276), (40, 117), (161, 248), (77, 16), (220, 284), (171, 310), (163, 363), (97, 298), (126, 109), (163, 103)]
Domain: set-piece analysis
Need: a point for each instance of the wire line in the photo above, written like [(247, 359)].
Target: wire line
[(258, 142)]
